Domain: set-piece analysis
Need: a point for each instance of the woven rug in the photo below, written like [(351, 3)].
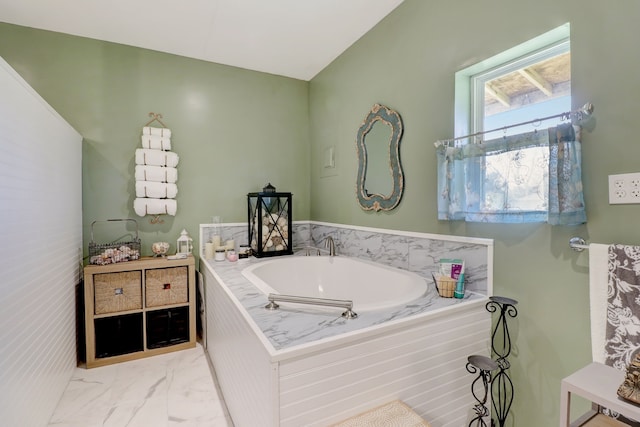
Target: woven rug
[(392, 414)]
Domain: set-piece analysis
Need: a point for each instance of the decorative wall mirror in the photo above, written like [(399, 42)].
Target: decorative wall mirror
[(380, 181)]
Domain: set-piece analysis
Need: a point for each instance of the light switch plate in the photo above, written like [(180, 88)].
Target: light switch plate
[(328, 165), (329, 157), (624, 188)]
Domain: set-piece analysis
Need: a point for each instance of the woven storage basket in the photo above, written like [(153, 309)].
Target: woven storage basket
[(446, 286), (115, 292), (164, 286)]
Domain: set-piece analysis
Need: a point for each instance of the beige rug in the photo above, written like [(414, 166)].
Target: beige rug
[(392, 414)]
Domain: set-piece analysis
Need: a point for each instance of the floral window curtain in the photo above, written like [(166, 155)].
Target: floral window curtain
[(529, 177)]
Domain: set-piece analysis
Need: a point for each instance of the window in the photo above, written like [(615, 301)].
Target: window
[(533, 86), (507, 175)]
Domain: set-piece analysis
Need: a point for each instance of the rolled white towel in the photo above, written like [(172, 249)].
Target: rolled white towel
[(147, 130), (156, 142), (145, 206), (156, 190), (145, 156), (156, 174)]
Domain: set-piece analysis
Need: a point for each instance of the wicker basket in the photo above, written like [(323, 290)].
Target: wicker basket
[(117, 251), (164, 286), (445, 285), (119, 291)]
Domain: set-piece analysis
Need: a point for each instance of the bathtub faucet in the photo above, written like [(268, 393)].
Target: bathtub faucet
[(330, 244)]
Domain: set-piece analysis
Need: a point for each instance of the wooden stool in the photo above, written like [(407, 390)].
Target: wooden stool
[(392, 414)]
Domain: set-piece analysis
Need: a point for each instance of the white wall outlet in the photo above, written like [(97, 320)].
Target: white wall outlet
[(624, 188)]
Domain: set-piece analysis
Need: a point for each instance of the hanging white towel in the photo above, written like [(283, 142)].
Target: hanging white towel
[(598, 279), (149, 157), (145, 206), (156, 174), (156, 190), (156, 142), (147, 130)]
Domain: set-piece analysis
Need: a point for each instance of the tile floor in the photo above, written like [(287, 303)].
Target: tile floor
[(170, 390)]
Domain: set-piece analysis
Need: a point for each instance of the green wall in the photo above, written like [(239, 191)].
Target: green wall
[(408, 63), (234, 130)]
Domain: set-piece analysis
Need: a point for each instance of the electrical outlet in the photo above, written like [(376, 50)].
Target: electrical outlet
[(624, 188)]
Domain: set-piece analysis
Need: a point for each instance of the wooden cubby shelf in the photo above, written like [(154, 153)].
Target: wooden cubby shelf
[(138, 309)]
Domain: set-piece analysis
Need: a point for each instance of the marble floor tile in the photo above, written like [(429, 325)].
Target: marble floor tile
[(173, 390)]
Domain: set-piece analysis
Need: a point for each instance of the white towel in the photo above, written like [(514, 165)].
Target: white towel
[(147, 130), (156, 174), (156, 142), (156, 190), (144, 206), (149, 157), (598, 282)]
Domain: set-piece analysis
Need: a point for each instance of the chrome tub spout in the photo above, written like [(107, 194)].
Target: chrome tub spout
[(330, 244)]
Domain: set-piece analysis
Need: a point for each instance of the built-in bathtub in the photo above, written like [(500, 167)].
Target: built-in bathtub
[(340, 278), (304, 367)]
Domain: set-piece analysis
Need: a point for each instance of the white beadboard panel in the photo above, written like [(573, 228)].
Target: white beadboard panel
[(423, 365), (41, 253), (246, 376)]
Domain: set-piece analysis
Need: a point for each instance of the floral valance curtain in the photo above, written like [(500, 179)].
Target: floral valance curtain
[(529, 177)]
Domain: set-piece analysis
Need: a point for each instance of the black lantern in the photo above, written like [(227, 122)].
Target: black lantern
[(270, 232)]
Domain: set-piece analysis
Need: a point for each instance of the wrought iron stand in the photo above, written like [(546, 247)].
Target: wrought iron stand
[(501, 385), (482, 365)]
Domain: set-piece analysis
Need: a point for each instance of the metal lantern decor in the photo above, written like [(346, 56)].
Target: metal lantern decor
[(270, 222)]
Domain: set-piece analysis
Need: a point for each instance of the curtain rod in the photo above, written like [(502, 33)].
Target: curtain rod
[(585, 110)]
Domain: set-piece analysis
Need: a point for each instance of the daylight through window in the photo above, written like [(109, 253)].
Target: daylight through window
[(533, 86)]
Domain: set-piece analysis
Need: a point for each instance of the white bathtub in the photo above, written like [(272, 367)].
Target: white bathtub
[(371, 286)]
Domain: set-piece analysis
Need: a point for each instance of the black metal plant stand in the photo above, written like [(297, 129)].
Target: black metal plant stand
[(482, 365), (502, 392)]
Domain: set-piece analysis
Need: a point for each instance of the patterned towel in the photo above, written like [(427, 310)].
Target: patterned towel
[(623, 308)]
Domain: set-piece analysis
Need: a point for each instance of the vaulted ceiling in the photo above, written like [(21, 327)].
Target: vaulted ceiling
[(293, 38)]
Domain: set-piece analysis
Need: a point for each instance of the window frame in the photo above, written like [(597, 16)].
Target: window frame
[(469, 83)]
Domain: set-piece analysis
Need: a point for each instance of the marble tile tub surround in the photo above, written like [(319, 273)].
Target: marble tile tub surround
[(417, 252), (239, 233), (292, 330)]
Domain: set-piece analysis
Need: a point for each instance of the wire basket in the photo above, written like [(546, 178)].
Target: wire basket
[(116, 251), (445, 285)]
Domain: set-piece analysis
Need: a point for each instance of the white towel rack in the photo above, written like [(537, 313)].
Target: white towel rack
[(155, 117)]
